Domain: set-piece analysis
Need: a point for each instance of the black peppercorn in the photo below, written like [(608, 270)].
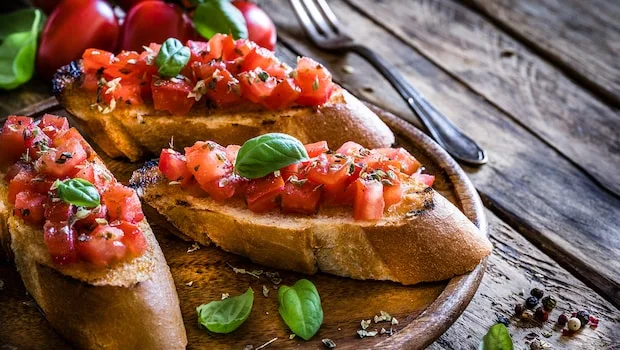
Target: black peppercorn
[(548, 302), (503, 320), (562, 320), (518, 309), (537, 292), (531, 302), (584, 317)]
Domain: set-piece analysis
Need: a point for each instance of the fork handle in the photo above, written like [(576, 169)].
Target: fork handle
[(447, 135)]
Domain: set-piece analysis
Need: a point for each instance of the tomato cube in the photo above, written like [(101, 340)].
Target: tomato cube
[(174, 166), (36, 141), (12, 141), (283, 95), (315, 82), (207, 161), (61, 161), (262, 194), (59, 211), (123, 203), (256, 85), (51, 125), (133, 238), (426, 179), (172, 95), (102, 247), (60, 241), (301, 198), (29, 207), (369, 202), (316, 149)]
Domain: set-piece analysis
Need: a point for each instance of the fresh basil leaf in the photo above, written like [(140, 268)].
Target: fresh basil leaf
[(267, 153), (18, 48), (224, 316), (77, 192), (300, 308), (172, 57), (219, 16), (497, 338)]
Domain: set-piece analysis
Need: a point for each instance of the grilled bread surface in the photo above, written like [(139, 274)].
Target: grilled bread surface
[(425, 238)]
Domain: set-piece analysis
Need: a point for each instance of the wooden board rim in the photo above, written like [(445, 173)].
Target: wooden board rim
[(448, 306)]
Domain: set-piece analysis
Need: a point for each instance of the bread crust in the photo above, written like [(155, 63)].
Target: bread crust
[(135, 131), (434, 242)]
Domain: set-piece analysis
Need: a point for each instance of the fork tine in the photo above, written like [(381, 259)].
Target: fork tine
[(331, 16), (306, 22), (317, 17)]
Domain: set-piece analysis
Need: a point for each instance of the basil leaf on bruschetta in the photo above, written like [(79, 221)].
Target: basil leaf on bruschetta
[(172, 58), (300, 308), (224, 316), (78, 192), (268, 153)]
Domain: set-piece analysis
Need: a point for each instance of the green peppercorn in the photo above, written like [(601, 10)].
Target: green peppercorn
[(531, 302), (549, 302), (584, 317), (537, 292)]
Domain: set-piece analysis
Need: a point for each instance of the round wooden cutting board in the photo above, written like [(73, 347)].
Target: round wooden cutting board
[(423, 311)]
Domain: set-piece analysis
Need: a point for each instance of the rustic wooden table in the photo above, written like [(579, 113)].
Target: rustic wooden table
[(537, 84)]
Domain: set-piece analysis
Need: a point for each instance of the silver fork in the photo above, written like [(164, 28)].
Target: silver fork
[(322, 26)]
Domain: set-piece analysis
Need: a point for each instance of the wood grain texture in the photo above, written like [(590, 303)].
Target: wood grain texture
[(509, 75), (550, 201), (424, 311), (581, 36)]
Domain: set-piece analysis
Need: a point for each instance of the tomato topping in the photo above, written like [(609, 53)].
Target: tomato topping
[(62, 160), (426, 179), (58, 211), (199, 51), (256, 85), (103, 246), (283, 95), (16, 169), (36, 141), (290, 170), (369, 202), (217, 83), (52, 125), (408, 163), (315, 149), (222, 47), (231, 152), (12, 138), (223, 188), (97, 174), (174, 166), (207, 161), (392, 193), (29, 206), (301, 197), (60, 241), (264, 59), (133, 238), (315, 82), (28, 180), (353, 149), (262, 194), (95, 59), (172, 95), (332, 174), (123, 203)]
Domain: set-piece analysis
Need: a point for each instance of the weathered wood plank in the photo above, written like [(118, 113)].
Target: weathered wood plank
[(509, 75), (581, 36), (551, 201), (515, 265)]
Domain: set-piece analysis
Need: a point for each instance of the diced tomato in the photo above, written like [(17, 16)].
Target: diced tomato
[(392, 194), (35, 140), (102, 247), (126, 65), (315, 82), (341, 196), (260, 57), (58, 211), (97, 174), (283, 95), (301, 198), (172, 95), (290, 170), (12, 138), (207, 161), (353, 149), (256, 85), (51, 125), (60, 241), (199, 50), (29, 207), (124, 94), (22, 182), (63, 137), (204, 71), (174, 166), (408, 163), (332, 175), (222, 47), (133, 238), (123, 203), (231, 152), (427, 179), (15, 169), (223, 188), (219, 84), (316, 149), (62, 160), (90, 221), (90, 82), (262, 194), (369, 202), (95, 59)]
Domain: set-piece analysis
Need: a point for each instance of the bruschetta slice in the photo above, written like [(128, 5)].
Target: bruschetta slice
[(79, 239), (352, 212), (229, 91)]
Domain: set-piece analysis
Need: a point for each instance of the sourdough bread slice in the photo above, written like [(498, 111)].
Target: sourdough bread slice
[(134, 131), (425, 238)]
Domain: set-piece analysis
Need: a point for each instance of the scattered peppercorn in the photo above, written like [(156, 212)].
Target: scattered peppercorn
[(531, 302), (584, 317), (574, 324), (503, 320), (527, 315), (537, 292), (518, 309), (541, 314), (549, 302), (562, 320)]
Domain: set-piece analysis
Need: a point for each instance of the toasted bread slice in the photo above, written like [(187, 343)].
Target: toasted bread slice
[(132, 305), (424, 239), (133, 131)]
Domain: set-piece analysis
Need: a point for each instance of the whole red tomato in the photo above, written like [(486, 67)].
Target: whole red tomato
[(154, 22), (261, 29), (74, 26)]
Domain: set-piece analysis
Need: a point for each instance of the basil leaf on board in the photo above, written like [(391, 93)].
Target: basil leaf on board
[(172, 57), (18, 46), (300, 308), (77, 192), (219, 16), (224, 316), (497, 338), (267, 153)]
